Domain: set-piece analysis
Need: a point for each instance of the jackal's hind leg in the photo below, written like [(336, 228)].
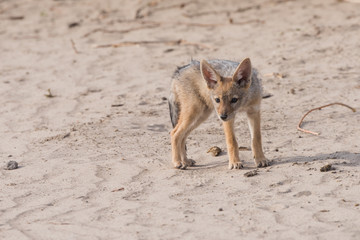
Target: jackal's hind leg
[(188, 121), (189, 162), (175, 147), (178, 139)]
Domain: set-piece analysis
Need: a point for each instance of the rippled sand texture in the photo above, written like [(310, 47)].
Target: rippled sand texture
[(94, 153)]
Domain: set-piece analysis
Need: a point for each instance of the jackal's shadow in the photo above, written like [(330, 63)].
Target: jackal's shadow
[(352, 158)]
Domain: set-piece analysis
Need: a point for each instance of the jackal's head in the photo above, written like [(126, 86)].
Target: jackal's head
[(227, 92)]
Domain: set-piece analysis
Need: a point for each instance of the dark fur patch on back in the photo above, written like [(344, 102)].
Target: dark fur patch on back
[(174, 108), (179, 69)]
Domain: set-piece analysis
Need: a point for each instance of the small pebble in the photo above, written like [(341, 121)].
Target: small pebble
[(11, 165), (73, 24)]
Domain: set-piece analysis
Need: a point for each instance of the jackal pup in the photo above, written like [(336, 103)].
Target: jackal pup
[(227, 86)]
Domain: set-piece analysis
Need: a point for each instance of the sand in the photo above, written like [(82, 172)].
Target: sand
[(94, 155)]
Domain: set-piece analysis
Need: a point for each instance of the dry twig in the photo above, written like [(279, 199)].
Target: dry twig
[(139, 13), (319, 108), (194, 24), (119, 31), (227, 12), (117, 105), (184, 23), (166, 42), (118, 189), (16, 17), (74, 47), (244, 148)]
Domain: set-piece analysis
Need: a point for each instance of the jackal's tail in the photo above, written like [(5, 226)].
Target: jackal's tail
[(174, 109)]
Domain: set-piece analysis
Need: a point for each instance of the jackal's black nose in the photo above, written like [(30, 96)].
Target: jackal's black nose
[(223, 116)]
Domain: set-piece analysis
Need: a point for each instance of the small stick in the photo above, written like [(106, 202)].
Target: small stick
[(140, 15), (117, 105), (167, 42), (74, 47), (191, 24), (119, 31), (319, 108), (16, 17), (206, 13), (221, 12), (194, 24), (118, 189)]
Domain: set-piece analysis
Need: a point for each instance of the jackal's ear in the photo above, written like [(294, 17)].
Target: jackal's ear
[(242, 73), (209, 74)]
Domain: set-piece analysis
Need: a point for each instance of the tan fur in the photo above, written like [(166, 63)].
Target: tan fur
[(198, 88)]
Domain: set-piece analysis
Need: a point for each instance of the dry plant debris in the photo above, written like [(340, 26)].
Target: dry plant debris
[(244, 148), (215, 151), (154, 24), (326, 168), (74, 46), (319, 108), (266, 95), (49, 94), (73, 24), (117, 105), (141, 43), (16, 17), (140, 13), (118, 189), (251, 173)]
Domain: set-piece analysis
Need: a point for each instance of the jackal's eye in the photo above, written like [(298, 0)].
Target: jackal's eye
[(234, 100), (217, 100)]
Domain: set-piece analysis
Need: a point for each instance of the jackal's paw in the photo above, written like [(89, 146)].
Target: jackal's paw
[(262, 162), (235, 165), (183, 165), (177, 164)]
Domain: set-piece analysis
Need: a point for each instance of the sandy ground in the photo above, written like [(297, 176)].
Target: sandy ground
[(94, 157)]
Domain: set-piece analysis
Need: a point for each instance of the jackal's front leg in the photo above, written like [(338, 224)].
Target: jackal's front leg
[(256, 146), (232, 146)]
